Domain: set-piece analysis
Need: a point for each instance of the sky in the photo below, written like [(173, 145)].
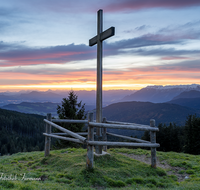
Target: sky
[(44, 44)]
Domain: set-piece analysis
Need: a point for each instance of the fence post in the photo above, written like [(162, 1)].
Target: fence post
[(104, 135), (153, 140), (90, 148), (47, 139)]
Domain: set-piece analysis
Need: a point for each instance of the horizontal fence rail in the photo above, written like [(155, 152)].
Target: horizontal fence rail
[(66, 134), (83, 139), (63, 138), (128, 138), (103, 143), (121, 123), (69, 121), (117, 126)]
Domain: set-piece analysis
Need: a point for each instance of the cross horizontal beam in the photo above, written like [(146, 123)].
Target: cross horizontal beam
[(103, 36)]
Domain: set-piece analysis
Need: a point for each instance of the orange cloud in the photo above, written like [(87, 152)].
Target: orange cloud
[(128, 79)]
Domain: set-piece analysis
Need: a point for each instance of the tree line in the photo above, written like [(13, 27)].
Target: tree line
[(20, 132), (179, 138)]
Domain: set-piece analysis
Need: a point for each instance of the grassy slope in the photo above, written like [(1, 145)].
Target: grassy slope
[(65, 169)]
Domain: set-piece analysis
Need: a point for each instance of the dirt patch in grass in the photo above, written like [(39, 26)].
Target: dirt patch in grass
[(162, 164)]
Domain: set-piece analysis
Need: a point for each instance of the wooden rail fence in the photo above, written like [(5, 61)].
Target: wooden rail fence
[(90, 142)]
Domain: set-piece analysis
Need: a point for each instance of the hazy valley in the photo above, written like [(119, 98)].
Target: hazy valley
[(119, 105), (165, 104)]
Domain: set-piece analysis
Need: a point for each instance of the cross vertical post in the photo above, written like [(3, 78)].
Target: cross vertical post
[(98, 40), (98, 149)]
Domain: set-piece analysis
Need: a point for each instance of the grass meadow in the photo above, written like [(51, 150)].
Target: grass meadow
[(66, 169)]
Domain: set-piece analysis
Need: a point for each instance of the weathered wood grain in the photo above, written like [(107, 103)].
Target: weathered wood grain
[(103, 143), (128, 138), (90, 148), (153, 140), (47, 138), (117, 126), (83, 139), (63, 138)]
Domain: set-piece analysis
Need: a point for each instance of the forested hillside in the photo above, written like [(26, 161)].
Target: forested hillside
[(187, 102), (41, 108), (142, 112), (179, 138), (20, 132)]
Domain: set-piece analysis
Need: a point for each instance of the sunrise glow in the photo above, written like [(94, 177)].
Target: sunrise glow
[(49, 48)]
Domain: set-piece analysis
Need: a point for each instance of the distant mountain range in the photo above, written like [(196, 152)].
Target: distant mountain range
[(160, 94), (163, 103), (38, 108), (41, 96), (88, 97), (155, 94)]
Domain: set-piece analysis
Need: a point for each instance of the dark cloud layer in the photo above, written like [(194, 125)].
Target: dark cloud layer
[(122, 5), (19, 54), (63, 6), (57, 54)]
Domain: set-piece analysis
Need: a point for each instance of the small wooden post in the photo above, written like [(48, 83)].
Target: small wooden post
[(104, 135), (153, 140), (47, 139), (90, 148)]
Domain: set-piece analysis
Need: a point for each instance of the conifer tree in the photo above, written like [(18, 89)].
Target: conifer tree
[(70, 109)]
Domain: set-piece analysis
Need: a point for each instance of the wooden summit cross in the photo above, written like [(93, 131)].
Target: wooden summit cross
[(98, 39)]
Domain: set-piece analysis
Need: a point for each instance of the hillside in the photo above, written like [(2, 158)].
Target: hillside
[(33, 108), (38, 108), (188, 94), (142, 112), (66, 169), (187, 102), (20, 132)]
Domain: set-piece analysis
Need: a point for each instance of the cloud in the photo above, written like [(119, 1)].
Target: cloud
[(138, 29), (142, 41), (124, 5), (189, 30), (7, 12), (174, 73), (171, 52), (74, 7), (18, 54), (8, 16), (22, 81), (14, 54), (23, 55), (190, 66), (183, 72), (54, 6), (177, 34), (174, 58)]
